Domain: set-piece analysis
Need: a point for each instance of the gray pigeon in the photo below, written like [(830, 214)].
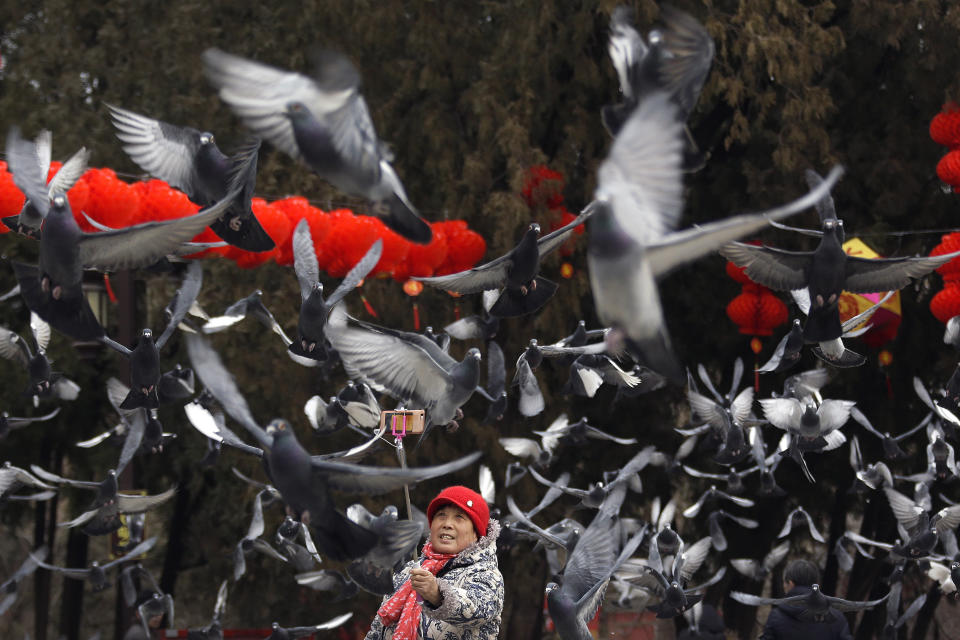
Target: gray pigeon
[(10, 586), (253, 306), (190, 160), (827, 271), (675, 59), (96, 574), (44, 381), (311, 344), (515, 273), (144, 358), (292, 633), (30, 164), (252, 540), (409, 366), (103, 514), (814, 606), (322, 120), (53, 288), (632, 242), (593, 561)]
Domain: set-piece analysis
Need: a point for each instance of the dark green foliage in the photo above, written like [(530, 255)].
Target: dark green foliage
[(469, 95)]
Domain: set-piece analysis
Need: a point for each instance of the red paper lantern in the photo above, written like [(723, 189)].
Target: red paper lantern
[(542, 187), (159, 201), (945, 126), (948, 169), (349, 240), (423, 259), (296, 208), (11, 198), (757, 311), (395, 248), (946, 303), (465, 247), (112, 202)]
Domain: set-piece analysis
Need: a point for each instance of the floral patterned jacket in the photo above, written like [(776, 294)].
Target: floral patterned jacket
[(472, 590)]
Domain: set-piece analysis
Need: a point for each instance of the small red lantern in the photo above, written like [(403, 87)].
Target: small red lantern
[(757, 311), (948, 169), (945, 126), (946, 303)]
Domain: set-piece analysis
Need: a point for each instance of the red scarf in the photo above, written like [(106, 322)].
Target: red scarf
[(402, 608)]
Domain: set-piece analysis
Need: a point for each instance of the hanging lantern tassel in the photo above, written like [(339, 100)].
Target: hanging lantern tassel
[(456, 311), (368, 306), (413, 288), (756, 345), (884, 359), (109, 288)]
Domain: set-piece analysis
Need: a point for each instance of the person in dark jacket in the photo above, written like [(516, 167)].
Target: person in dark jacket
[(784, 622)]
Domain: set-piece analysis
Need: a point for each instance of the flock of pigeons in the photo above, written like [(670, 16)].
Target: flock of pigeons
[(632, 241)]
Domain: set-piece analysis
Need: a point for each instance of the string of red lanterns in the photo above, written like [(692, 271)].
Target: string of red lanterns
[(945, 130), (340, 237)]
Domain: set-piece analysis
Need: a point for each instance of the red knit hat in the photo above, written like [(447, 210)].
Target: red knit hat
[(467, 499)]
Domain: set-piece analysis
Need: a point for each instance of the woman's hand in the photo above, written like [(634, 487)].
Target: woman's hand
[(425, 584)]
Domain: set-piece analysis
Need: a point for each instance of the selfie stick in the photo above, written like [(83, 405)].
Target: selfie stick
[(398, 437)]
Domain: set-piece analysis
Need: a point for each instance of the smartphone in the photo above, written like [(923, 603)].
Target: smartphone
[(403, 422)]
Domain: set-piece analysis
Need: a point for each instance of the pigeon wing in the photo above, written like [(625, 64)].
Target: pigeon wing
[(305, 258), (354, 478), (163, 150), (183, 299), (775, 268), (690, 53), (783, 413), (640, 178), (491, 275), (834, 414), (356, 275), (143, 244), (555, 239), (259, 95), (28, 174), (139, 504), (906, 511), (390, 362), (13, 347), (681, 247), (218, 380), (886, 274)]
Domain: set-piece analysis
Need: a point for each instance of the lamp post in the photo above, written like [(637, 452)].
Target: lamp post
[(95, 292)]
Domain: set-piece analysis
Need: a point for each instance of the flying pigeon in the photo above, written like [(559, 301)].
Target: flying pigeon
[(322, 120), (759, 570), (514, 273), (814, 606), (310, 345), (53, 288), (252, 306), (9, 588), (30, 165), (675, 59), (144, 358), (44, 381), (408, 366), (828, 270), (96, 574), (632, 242), (190, 160)]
